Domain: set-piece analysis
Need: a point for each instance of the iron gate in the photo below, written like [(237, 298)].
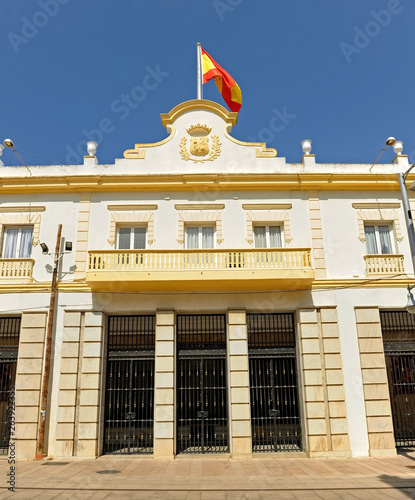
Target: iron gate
[(398, 331), (202, 416), (9, 345), (129, 408), (275, 416)]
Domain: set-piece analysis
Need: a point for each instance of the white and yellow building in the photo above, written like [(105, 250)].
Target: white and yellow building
[(217, 299)]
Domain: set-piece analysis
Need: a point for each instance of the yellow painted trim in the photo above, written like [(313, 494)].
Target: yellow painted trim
[(203, 182), (362, 283), (199, 206), (376, 205), (132, 207), (322, 284), (136, 153), (22, 209), (167, 119), (261, 148), (267, 206), (261, 279), (198, 104)]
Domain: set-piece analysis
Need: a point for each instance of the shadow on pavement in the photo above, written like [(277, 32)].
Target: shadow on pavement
[(406, 486)]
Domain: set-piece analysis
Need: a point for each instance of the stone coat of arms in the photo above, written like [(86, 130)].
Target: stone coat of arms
[(199, 144)]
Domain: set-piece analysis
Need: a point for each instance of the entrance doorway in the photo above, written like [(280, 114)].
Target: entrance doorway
[(275, 416), (129, 405), (202, 416), (398, 332), (9, 345)]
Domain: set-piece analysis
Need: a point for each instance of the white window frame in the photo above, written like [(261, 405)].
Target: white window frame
[(19, 240), (131, 227), (200, 239), (267, 235), (377, 237)]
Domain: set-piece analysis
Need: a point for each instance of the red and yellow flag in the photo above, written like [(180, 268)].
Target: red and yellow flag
[(227, 86)]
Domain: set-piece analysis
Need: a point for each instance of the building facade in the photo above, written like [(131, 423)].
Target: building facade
[(215, 299)]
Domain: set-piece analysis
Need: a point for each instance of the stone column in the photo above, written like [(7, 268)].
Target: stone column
[(164, 398), (375, 383), (29, 382), (238, 384)]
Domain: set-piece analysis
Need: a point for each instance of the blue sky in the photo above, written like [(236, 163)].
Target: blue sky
[(340, 73)]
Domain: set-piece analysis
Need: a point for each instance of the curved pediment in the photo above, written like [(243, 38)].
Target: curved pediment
[(198, 134)]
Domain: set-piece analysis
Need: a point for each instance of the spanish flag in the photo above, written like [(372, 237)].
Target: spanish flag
[(227, 86)]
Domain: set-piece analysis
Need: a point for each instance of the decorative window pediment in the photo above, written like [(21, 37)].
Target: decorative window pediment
[(200, 214), (378, 214), (22, 216), (268, 213), (130, 215)]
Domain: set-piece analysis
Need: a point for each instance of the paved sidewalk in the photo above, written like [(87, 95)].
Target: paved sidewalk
[(213, 478)]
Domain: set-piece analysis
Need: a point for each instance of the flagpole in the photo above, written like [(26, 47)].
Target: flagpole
[(199, 71)]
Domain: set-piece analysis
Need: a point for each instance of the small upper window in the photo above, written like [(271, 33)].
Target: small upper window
[(131, 238), (200, 237), (268, 236), (379, 240), (17, 242)]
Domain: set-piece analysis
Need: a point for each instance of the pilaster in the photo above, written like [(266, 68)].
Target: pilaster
[(322, 376), (239, 393), (375, 383), (29, 382), (79, 402), (164, 385)]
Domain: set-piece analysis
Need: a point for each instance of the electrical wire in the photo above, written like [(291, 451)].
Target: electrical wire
[(363, 156), (215, 292), (54, 162)]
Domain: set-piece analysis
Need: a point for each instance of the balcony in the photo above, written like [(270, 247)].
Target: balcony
[(199, 269), (385, 264), (16, 269)]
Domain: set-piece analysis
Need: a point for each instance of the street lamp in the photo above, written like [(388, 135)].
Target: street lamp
[(410, 306), (9, 144), (405, 202)]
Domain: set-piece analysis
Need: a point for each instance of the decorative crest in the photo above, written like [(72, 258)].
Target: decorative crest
[(198, 130), (199, 144)]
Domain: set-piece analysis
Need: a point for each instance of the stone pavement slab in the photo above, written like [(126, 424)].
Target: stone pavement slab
[(213, 478)]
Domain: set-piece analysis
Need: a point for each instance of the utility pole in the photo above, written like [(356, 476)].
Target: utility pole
[(40, 452)]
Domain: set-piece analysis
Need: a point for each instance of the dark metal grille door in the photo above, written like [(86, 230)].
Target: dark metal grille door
[(129, 409), (275, 416), (202, 416), (9, 344), (398, 331)]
